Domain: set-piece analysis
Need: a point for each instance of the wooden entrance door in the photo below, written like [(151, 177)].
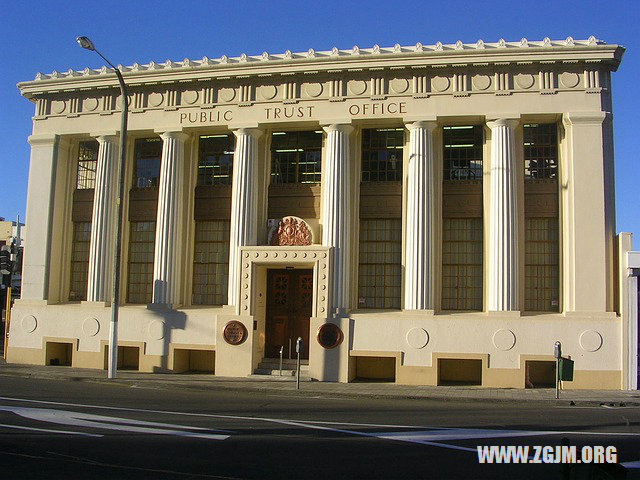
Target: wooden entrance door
[(289, 297)]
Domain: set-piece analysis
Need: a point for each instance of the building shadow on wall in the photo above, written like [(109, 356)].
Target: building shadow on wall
[(167, 320)]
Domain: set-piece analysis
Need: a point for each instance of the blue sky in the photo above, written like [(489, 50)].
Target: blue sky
[(40, 36)]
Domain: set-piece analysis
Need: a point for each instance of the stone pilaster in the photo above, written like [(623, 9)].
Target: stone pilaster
[(40, 203), (103, 221), (336, 207), (503, 218), (419, 240), (169, 232), (244, 204)]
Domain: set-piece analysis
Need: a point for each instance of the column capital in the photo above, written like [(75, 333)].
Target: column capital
[(584, 118), (430, 125), (338, 127), (510, 122), (173, 135), (252, 131), (43, 139)]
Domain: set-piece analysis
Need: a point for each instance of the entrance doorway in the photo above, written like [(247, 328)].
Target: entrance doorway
[(289, 297)]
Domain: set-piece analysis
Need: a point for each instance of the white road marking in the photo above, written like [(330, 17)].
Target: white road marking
[(64, 417), (456, 434), (65, 432), (310, 424)]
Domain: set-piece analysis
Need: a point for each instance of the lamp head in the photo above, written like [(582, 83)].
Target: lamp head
[(84, 42)]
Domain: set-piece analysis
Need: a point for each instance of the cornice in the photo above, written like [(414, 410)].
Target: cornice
[(375, 58)]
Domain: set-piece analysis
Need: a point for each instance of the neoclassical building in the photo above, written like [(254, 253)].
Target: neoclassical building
[(428, 215)]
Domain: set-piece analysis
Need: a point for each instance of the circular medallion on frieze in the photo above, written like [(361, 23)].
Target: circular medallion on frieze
[(329, 336), (234, 333)]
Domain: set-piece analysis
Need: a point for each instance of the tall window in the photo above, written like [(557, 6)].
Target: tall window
[(87, 160), (380, 269), (140, 267), (148, 155), (462, 218), (542, 242), (296, 157), (382, 154), (211, 262), (380, 242), (80, 260), (215, 162)]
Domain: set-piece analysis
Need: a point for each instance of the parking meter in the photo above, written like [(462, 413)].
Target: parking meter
[(557, 350)]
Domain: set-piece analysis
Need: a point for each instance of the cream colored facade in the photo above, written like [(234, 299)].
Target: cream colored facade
[(501, 86)]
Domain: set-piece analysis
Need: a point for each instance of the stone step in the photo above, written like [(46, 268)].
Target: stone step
[(277, 378), (285, 366)]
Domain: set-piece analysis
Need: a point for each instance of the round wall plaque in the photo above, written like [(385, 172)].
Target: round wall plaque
[(329, 336), (234, 333)]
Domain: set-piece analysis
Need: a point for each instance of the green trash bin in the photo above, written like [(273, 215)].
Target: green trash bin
[(566, 369)]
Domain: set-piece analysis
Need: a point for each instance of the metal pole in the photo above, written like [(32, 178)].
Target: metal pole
[(113, 326), (298, 351), (557, 352), (281, 349), (289, 348), (7, 319)]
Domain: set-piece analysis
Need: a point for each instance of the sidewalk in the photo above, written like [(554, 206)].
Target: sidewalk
[(611, 398)]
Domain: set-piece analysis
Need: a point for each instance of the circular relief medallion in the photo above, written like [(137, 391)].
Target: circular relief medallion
[(590, 341), (417, 338), (268, 92), (119, 101), (399, 85), (313, 89), (234, 333), (155, 99), (90, 104), (91, 327), (504, 339), (524, 80), (357, 87), (29, 324), (190, 97), (58, 106), (440, 84), (481, 82), (329, 336), (156, 330), (227, 94), (569, 79)]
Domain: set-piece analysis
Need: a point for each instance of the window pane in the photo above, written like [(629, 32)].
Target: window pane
[(541, 265), (540, 151), (211, 263), (382, 154), (80, 260), (462, 152), (140, 271), (380, 269), (462, 264), (87, 161), (215, 160), (296, 157), (148, 154)]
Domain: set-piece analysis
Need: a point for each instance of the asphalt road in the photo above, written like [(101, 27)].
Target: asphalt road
[(63, 429)]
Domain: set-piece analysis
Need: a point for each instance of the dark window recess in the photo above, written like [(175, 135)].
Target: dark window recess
[(87, 161), (296, 157), (148, 155), (462, 152), (540, 151), (215, 160), (382, 154)]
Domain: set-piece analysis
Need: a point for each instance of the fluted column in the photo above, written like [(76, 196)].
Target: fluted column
[(103, 220), (169, 232), (419, 240), (244, 204), (336, 206), (503, 218)]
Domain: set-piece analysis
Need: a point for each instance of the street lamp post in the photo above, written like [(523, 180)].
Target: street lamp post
[(84, 42)]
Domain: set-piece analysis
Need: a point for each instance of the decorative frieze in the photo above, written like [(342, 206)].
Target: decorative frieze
[(420, 86), (336, 89), (246, 95), (290, 92), (592, 81), (171, 99), (547, 82), (377, 86), (460, 85), (502, 83)]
